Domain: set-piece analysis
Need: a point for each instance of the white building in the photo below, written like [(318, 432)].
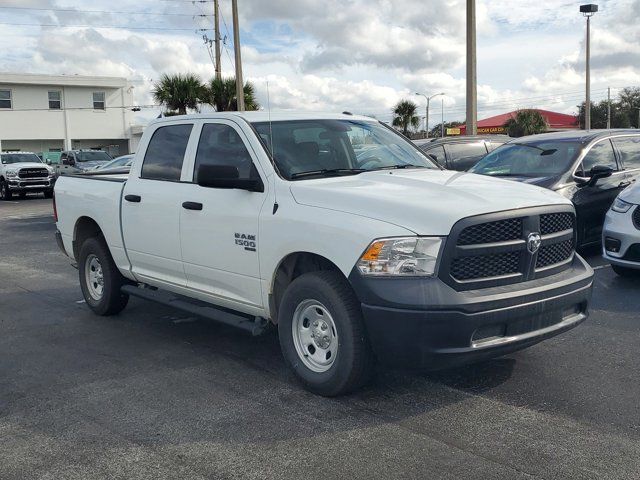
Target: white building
[(53, 113)]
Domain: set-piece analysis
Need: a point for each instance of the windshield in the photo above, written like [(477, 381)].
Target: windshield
[(8, 158), (93, 156), (306, 148), (531, 159)]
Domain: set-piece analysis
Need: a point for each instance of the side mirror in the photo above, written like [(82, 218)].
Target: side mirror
[(226, 176), (598, 172), (69, 161)]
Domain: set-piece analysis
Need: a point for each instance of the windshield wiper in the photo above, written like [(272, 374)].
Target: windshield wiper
[(328, 171), (399, 167)]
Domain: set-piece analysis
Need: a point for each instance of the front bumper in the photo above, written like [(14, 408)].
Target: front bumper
[(31, 185), (426, 324), (621, 239)]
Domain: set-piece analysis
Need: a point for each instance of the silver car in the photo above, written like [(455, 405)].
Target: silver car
[(621, 234)]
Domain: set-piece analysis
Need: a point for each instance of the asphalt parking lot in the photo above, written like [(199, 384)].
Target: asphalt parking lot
[(154, 393)]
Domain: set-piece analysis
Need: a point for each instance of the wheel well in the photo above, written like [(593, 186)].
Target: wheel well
[(85, 228), (290, 268)]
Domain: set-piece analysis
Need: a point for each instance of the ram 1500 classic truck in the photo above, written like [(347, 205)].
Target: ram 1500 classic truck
[(337, 230)]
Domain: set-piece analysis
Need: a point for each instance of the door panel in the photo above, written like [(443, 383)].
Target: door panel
[(592, 202), (151, 207), (220, 243)]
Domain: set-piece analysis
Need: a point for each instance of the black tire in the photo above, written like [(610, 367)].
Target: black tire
[(626, 272), (5, 193), (22, 194), (48, 193), (112, 300), (354, 361)]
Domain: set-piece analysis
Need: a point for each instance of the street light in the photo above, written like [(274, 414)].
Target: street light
[(588, 11), (426, 120)]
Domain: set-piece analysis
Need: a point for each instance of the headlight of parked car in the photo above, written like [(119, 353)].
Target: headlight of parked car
[(12, 173), (621, 206), (408, 256)]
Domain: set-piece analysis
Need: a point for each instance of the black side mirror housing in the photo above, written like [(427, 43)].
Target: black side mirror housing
[(598, 172), (226, 176)]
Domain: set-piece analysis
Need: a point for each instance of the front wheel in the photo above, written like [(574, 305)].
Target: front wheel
[(5, 193), (322, 334), (626, 272), (100, 279)]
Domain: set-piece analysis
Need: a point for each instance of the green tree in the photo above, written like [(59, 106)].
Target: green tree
[(619, 116), (178, 93), (221, 94), (526, 122), (404, 116)]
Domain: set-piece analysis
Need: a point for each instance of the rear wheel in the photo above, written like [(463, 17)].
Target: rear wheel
[(5, 193), (100, 279), (626, 272), (322, 334)]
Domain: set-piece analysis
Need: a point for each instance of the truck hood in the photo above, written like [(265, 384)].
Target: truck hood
[(427, 202), (26, 165)]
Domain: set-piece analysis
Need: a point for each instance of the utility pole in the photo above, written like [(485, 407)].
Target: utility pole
[(472, 77), (588, 11), (442, 121), (236, 48), (216, 29), (608, 108)]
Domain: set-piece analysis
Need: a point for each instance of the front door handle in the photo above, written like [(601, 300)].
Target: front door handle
[(624, 184), (133, 198), (192, 205)]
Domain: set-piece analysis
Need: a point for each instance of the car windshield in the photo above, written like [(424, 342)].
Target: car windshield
[(94, 156), (119, 162), (8, 158), (530, 159), (308, 148)]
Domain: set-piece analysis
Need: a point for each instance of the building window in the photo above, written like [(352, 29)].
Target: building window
[(98, 101), (55, 100), (5, 99)]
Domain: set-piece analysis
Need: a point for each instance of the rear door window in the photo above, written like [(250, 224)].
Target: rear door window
[(629, 148), (165, 153), (600, 154)]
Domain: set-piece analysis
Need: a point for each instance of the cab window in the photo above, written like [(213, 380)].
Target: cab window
[(220, 144), (437, 153), (165, 153)]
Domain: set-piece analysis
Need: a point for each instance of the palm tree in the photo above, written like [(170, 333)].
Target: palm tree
[(178, 92), (221, 94), (404, 115), (526, 122)]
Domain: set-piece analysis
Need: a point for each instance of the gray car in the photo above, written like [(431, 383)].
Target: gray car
[(461, 152)]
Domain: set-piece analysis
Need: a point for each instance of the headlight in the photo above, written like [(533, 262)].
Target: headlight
[(12, 173), (409, 256), (621, 206)]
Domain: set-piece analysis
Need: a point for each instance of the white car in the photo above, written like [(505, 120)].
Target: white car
[(121, 163), (621, 234), (255, 219), (22, 173)]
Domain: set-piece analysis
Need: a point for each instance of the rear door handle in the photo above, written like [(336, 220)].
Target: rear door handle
[(192, 205), (133, 198)]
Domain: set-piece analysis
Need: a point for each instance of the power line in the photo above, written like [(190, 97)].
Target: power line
[(68, 10), (54, 25)]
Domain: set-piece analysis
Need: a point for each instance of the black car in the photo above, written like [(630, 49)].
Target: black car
[(460, 153), (588, 167)]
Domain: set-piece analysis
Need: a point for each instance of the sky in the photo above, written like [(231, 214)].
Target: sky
[(361, 56)]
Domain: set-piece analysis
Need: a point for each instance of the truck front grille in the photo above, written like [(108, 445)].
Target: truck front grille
[(33, 173), (508, 247)]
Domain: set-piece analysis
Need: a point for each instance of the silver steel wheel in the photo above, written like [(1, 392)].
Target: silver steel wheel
[(93, 277), (314, 335)]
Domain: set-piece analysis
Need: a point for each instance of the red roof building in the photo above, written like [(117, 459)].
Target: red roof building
[(557, 121)]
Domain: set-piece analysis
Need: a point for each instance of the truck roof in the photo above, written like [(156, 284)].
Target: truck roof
[(264, 116)]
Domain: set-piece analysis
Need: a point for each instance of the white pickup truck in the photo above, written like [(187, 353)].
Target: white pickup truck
[(337, 230)]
